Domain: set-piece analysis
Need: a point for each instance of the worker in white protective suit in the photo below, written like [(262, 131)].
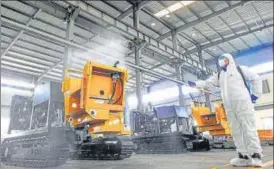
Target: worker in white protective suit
[(239, 108)]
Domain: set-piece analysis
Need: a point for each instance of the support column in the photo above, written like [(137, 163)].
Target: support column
[(68, 50), (204, 76), (201, 60), (70, 18), (179, 75), (138, 61)]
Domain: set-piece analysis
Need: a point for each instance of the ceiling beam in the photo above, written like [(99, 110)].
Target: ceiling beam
[(88, 9), (19, 34), (247, 26), (6, 21), (214, 30), (177, 16), (209, 45), (235, 36), (257, 12), (129, 30), (129, 11), (49, 70), (194, 42), (203, 19), (157, 19), (233, 31)]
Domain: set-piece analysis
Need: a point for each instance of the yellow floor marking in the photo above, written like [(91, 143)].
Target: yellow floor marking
[(227, 165), (265, 165)]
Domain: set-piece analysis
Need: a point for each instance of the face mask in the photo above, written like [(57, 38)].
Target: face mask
[(222, 62)]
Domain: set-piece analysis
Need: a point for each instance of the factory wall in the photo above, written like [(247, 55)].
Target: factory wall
[(264, 117), (258, 55), (267, 98)]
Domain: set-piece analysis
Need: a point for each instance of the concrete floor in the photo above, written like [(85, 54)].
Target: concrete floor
[(214, 159)]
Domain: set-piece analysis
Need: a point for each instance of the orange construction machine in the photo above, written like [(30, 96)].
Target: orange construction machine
[(217, 125), (94, 110)]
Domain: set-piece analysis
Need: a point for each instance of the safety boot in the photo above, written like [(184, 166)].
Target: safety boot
[(241, 161), (256, 160)]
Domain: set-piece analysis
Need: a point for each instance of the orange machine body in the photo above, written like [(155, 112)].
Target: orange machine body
[(217, 124), (88, 99), (266, 135)]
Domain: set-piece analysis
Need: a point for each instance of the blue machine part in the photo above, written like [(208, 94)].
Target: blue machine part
[(181, 111), (171, 111), (165, 112)]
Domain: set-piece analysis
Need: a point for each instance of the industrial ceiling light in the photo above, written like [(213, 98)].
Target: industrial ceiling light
[(167, 16), (153, 24), (162, 13), (175, 7), (172, 8), (185, 3)]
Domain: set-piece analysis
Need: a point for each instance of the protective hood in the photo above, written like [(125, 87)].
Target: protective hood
[(229, 56), (231, 63)]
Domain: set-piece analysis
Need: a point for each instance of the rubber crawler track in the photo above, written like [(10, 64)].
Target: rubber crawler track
[(33, 152)]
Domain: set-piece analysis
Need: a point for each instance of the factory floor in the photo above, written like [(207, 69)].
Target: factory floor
[(214, 159)]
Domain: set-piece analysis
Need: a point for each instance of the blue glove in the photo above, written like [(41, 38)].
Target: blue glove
[(253, 98), (192, 84)]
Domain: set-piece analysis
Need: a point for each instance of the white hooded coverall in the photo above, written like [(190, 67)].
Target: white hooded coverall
[(238, 105)]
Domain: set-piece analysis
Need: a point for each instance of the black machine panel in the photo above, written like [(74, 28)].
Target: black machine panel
[(44, 108), (48, 105), (165, 119), (20, 113), (40, 113), (142, 123), (167, 130)]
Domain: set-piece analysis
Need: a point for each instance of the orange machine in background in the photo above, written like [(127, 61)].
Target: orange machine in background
[(94, 106), (266, 136), (217, 125)]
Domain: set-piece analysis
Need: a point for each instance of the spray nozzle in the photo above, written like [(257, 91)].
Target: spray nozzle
[(116, 63)]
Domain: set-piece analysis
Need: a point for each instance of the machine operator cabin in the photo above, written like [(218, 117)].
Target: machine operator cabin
[(135, 84)]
